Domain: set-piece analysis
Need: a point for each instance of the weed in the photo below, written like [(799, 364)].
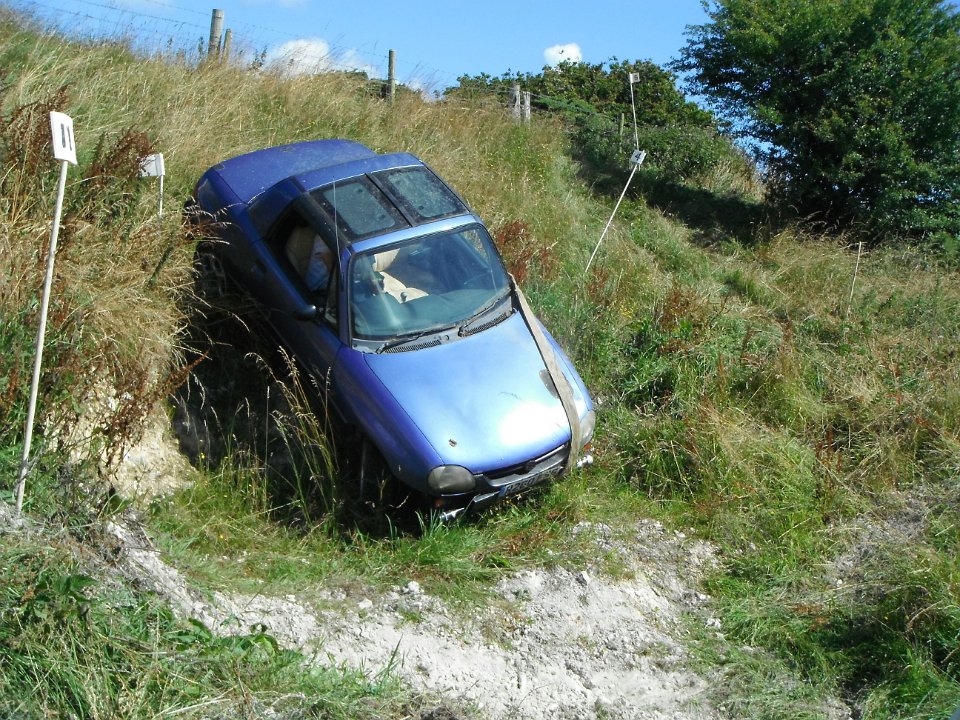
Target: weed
[(522, 253), (25, 149)]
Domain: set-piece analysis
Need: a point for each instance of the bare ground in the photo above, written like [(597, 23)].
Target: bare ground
[(553, 643)]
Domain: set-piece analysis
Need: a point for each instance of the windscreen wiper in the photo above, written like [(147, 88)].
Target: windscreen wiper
[(412, 337), (465, 328)]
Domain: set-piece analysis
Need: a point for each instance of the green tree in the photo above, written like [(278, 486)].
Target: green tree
[(595, 99), (596, 88), (853, 106)]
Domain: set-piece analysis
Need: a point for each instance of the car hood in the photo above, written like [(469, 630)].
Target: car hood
[(484, 401)]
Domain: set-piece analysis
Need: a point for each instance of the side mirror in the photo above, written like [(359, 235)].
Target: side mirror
[(306, 312)]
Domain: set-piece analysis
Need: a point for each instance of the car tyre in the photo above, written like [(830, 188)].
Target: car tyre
[(211, 279), (377, 488)]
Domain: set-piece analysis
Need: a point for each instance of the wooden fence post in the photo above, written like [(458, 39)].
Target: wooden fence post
[(391, 76), (216, 28), (227, 42)]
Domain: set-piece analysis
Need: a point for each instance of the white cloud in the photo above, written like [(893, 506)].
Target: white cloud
[(558, 53), (311, 56), (424, 86)]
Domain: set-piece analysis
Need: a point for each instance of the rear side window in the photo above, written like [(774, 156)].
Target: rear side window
[(422, 193)]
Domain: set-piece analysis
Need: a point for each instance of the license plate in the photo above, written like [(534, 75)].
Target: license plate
[(521, 485)]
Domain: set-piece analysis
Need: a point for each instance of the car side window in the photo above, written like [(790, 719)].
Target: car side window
[(310, 257), (303, 254)]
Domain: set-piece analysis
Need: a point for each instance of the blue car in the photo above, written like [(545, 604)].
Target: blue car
[(381, 282)]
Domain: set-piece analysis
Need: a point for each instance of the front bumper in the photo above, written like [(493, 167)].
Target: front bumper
[(513, 481)]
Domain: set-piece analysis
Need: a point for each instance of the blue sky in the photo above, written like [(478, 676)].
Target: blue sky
[(435, 41)]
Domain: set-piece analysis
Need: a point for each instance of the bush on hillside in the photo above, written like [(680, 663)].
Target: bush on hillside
[(597, 101), (674, 153), (853, 107), (595, 88)]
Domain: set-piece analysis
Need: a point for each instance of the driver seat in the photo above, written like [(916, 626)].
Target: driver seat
[(392, 285)]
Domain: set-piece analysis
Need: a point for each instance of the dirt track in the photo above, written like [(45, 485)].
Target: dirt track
[(553, 644)]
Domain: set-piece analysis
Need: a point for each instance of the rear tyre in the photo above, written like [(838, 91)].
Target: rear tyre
[(210, 279)]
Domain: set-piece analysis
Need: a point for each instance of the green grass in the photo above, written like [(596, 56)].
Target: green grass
[(226, 540), (804, 423), (85, 646)]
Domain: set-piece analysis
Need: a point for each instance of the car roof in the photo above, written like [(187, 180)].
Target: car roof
[(250, 174), (262, 184)]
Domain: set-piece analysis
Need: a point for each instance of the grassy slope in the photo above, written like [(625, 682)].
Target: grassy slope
[(812, 436)]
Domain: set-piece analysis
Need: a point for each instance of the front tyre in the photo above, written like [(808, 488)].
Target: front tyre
[(377, 488)]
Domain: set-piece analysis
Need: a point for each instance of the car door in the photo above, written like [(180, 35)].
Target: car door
[(304, 321)]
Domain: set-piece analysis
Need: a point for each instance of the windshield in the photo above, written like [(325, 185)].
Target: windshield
[(425, 284)]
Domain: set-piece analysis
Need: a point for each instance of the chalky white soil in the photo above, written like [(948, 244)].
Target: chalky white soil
[(562, 644), (554, 643)]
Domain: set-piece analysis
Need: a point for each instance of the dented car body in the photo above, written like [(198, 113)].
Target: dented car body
[(382, 283)]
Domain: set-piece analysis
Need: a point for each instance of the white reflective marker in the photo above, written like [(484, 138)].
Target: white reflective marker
[(61, 128), (634, 77), (152, 166), (64, 150)]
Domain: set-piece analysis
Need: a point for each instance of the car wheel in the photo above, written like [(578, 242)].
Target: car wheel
[(378, 489), (217, 295), (211, 279)]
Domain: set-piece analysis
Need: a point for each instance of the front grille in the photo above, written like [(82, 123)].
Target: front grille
[(545, 464)]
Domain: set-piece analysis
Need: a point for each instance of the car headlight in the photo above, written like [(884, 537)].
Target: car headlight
[(451, 479), (587, 426)]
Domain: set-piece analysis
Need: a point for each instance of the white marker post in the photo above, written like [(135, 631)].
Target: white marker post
[(634, 77), (64, 150), (636, 160), (152, 166)]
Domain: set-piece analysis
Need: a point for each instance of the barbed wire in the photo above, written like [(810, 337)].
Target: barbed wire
[(106, 6), (421, 77), (247, 35), (164, 4)]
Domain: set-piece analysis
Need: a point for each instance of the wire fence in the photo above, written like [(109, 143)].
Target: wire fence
[(155, 27), (168, 29)]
